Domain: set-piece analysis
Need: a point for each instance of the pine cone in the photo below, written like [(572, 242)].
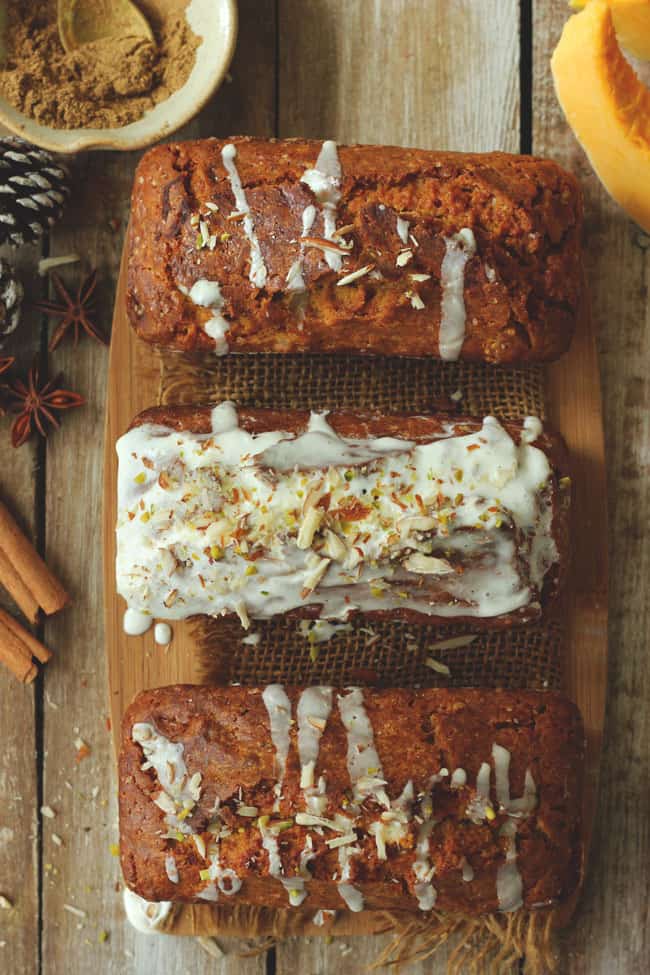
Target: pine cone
[(33, 189), (11, 297)]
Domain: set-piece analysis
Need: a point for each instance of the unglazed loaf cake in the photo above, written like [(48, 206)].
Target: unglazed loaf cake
[(253, 245), (466, 800), (262, 512)]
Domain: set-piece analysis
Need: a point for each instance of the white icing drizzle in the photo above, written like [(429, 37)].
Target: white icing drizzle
[(270, 844), (467, 871), (314, 707), (295, 280), (179, 791), (458, 778), (136, 623), (179, 794), (423, 869), (509, 882), (171, 869), (278, 707), (145, 916), (351, 895), (207, 294), (209, 893), (403, 230), (458, 251), (483, 780), (364, 766), (163, 634), (296, 886), (320, 631), (186, 499), (182, 498), (257, 273), (532, 429), (324, 180), (322, 917), (222, 879)]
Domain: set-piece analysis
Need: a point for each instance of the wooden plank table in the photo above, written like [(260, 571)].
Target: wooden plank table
[(458, 75)]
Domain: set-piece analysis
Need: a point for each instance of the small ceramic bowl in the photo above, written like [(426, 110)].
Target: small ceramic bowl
[(215, 22)]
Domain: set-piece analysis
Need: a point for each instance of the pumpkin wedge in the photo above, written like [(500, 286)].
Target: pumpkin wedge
[(607, 107), (631, 23)]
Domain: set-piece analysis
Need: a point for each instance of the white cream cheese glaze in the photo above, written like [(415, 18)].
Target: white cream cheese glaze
[(313, 711), (324, 180), (207, 294), (295, 281), (136, 623), (257, 273), (180, 791), (163, 634), (234, 522), (278, 707), (459, 249), (509, 882), (145, 916)]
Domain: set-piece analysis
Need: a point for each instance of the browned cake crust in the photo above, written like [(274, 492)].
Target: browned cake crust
[(420, 429), (522, 288), (226, 737)]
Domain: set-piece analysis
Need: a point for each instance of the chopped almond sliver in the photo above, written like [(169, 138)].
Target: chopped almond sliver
[(355, 275)]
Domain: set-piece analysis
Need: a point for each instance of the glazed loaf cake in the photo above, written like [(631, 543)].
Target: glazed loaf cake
[(301, 246), (262, 512), (466, 800)]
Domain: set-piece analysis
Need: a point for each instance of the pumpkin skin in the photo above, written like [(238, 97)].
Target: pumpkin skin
[(607, 107)]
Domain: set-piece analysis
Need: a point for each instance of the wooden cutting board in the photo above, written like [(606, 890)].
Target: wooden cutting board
[(136, 663)]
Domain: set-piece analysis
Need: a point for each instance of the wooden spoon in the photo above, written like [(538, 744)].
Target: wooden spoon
[(83, 21)]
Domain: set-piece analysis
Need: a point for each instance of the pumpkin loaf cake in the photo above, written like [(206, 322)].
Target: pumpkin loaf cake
[(254, 245), (462, 800), (262, 512)]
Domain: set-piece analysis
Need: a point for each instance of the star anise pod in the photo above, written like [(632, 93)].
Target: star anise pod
[(75, 312), (6, 362), (37, 405)]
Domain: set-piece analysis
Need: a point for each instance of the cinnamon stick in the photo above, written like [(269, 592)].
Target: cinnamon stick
[(15, 655), (33, 645), (17, 589), (25, 562)]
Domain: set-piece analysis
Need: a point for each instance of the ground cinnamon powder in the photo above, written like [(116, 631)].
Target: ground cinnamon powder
[(103, 84)]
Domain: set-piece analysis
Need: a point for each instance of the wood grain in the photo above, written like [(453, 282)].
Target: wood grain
[(424, 72), (19, 821), (82, 872), (611, 936)]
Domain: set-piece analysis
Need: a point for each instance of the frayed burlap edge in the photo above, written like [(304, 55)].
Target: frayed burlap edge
[(490, 945), (494, 944)]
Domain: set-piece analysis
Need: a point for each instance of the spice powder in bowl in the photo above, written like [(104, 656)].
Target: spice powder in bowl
[(104, 84)]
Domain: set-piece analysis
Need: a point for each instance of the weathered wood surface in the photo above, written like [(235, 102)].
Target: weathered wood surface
[(424, 72), (19, 725), (611, 934)]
